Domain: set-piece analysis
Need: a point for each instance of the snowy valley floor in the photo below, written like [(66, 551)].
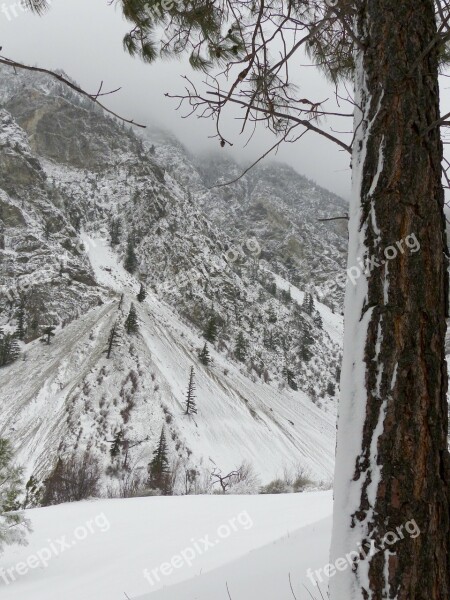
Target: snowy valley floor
[(98, 550)]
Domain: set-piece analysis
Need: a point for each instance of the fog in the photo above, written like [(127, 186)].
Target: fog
[(84, 38)]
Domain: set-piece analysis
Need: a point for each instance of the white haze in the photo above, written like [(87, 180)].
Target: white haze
[(84, 38)]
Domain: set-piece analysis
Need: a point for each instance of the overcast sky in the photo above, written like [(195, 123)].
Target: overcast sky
[(84, 37)]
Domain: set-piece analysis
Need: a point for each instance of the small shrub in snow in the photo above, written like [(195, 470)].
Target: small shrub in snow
[(277, 486), (243, 480), (290, 482), (301, 482), (72, 479)]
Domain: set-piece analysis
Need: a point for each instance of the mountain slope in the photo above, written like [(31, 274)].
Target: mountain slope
[(74, 207), (74, 394)]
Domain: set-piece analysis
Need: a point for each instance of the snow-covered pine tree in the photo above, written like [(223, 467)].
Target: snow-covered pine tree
[(318, 319), (142, 294), (210, 333), (285, 295), (308, 303), (113, 340), (130, 262), (116, 444), (9, 348), (305, 343), (131, 322), (240, 348), (21, 321), (13, 527), (269, 340), (204, 355), (290, 377), (115, 230), (158, 468), (190, 406)]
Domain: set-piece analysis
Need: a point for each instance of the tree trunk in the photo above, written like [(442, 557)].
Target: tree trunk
[(392, 473)]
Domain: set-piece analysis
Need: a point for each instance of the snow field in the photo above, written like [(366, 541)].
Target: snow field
[(99, 550)]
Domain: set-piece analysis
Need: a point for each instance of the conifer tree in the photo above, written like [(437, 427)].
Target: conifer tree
[(268, 339), (210, 333), (116, 445), (131, 322), (13, 526), (131, 261), (142, 295), (113, 340), (21, 321), (331, 388), (34, 327), (9, 348), (308, 303), (306, 341), (115, 230), (158, 468), (190, 406), (204, 355), (304, 351), (318, 320), (240, 348), (290, 378), (286, 296), (77, 223)]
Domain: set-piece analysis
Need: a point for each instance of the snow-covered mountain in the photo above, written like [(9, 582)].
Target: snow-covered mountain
[(272, 204), (79, 195)]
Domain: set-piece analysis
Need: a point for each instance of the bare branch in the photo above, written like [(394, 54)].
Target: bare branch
[(438, 123), (335, 218), (93, 97)]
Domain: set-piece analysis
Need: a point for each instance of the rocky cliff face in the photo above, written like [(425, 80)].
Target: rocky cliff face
[(41, 261), (273, 204)]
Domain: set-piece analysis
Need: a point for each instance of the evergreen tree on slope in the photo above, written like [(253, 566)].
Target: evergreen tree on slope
[(158, 468), (13, 527), (190, 406)]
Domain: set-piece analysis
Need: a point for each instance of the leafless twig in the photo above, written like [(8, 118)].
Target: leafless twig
[(93, 97)]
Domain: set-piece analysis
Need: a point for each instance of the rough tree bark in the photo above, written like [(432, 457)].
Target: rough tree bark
[(392, 457)]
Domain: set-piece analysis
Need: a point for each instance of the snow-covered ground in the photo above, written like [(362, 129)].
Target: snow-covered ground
[(99, 550)]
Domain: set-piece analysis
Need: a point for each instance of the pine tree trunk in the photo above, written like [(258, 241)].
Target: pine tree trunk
[(392, 460)]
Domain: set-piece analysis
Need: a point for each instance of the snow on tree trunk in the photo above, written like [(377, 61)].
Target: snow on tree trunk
[(392, 466)]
